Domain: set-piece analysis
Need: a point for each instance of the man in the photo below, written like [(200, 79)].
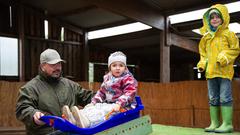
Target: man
[(47, 93)]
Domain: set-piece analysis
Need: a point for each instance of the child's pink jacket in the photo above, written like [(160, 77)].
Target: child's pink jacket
[(121, 90)]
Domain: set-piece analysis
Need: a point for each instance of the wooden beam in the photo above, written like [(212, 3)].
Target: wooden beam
[(134, 9), (54, 19), (108, 25), (183, 42), (55, 41), (75, 11), (67, 25)]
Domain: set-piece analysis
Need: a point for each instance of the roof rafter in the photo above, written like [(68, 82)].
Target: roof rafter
[(133, 9)]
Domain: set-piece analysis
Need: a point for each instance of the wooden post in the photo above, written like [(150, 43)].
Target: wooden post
[(164, 55), (21, 50), (85, 57)]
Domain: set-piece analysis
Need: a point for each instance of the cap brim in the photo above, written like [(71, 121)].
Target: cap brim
[(56, 61)]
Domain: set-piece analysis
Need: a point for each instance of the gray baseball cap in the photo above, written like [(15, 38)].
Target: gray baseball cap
[(50, 56)]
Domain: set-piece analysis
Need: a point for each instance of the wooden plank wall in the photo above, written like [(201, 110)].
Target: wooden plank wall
[(8, 96), (69, 52), (70, 49), (182, 103), (178, 103)]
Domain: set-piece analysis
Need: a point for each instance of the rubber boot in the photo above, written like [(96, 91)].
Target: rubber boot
[(214, 115), (226, 126)]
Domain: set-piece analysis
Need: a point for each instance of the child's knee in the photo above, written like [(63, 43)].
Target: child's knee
[(214, 101), (226, 101)]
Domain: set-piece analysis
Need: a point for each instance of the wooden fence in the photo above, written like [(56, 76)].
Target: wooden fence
[(178, 103)]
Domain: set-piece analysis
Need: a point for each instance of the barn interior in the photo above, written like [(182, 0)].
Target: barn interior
[(166, 53)]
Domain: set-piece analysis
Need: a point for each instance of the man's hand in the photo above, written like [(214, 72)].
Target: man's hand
[(36, 118)]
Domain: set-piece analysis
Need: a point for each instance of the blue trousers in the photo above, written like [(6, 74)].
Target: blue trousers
[(220, 92)]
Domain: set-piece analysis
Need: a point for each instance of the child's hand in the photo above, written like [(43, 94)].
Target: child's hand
[(116, 107), (222, 60), (201, 66), (201, 69), (89, 105)]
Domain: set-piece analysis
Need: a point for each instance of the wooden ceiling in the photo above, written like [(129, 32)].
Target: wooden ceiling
[(97, 14)]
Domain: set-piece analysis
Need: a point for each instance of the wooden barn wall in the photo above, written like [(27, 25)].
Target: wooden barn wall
[(70, 49), (179, 103), (99, 55), (182, 103), (70, 53)]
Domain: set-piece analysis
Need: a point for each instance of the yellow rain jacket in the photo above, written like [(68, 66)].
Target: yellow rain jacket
[(218, 50)]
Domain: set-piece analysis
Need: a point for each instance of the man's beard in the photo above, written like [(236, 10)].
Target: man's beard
[(56, 74)]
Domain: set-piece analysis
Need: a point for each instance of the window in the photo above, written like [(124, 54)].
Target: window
[(118, 30), (10, 16), (198, 14), (46, 29), (90, 72), (8, 56), (62, 33)]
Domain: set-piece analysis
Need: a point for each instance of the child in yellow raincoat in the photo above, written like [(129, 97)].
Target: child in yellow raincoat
[(218, 50)]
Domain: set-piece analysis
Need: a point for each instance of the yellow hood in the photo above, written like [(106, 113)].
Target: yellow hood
[(225, 16)]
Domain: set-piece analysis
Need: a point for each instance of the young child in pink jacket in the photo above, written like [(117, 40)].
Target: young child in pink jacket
[(117, 92)]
